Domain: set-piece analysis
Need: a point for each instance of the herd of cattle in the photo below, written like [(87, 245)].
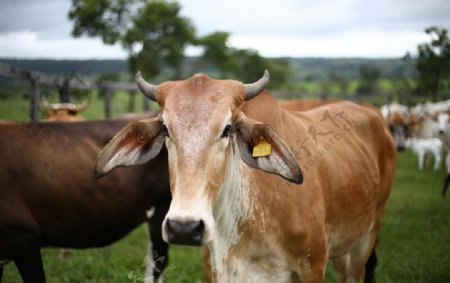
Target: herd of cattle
[(423, 128), (275, 190)]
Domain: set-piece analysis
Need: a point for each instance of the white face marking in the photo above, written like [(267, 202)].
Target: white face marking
[(194, 158)]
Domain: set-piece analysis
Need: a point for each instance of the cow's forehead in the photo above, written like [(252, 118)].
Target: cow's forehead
[(199, 99)]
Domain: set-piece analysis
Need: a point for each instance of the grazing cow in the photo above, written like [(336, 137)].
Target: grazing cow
[(48, 196), (234, 178), (423, 146), (64, 111)]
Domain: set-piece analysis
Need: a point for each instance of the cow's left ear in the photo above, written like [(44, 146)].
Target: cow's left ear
[(280, 160), (135, 144)]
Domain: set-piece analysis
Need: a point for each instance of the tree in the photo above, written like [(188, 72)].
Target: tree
[(368, 77), (433, 62), (153, 32), (243, 64), (163, 35), (217, 53), (340, 80)]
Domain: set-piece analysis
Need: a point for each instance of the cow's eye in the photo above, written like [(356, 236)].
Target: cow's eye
[(226, 131), (165, 130)]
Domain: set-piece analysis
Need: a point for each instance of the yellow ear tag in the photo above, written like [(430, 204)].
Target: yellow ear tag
[(263, 148)]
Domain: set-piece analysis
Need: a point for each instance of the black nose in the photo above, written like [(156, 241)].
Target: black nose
[(186, 232), (441, 132)]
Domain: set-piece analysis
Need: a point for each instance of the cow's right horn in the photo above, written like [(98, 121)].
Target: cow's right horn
[(146, 88), (255, 88)]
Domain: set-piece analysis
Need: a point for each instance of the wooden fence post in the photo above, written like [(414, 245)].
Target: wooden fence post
[(35, 100), (64, 92), (132, 103), (107, 100), (146, 103)]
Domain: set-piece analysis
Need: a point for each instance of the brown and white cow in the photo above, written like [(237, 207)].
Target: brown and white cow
[(64, 111), (260, 224)]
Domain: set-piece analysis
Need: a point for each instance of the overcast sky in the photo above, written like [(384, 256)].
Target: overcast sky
[(296, 28)]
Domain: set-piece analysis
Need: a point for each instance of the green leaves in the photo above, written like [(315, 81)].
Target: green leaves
[(433, 62)]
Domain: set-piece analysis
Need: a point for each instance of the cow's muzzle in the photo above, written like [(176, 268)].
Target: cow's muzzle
[(185, 233)]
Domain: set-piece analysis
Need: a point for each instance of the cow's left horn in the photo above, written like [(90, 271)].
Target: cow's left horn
[(147, 89), (255, 88)]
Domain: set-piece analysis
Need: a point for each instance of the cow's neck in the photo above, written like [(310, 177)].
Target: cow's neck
[(232, 210)]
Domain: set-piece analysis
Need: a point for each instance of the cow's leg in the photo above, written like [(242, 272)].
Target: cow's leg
[(369, 276), (30, 266), (437, 160), (1, 272), (159, 249), (359, 257), (340, 265), (421, 161)]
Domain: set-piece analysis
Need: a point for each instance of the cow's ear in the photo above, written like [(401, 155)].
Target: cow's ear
[(271, 153), (135, 144)]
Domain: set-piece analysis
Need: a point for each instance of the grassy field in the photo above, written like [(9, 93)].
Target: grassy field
[(414, 244)]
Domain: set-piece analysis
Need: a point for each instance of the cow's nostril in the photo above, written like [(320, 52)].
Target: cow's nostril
[(185, 232), (197, 234)]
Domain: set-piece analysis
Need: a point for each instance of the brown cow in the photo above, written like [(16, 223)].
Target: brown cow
[(305, 104), (48, 196), (234, 178), (64, 111)]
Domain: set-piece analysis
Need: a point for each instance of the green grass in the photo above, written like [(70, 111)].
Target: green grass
[(414, 245)]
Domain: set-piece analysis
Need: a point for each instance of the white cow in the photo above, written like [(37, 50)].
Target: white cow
[(423, 146)]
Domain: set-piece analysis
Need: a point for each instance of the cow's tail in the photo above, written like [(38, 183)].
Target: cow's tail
[(446, 183), (369, 276)]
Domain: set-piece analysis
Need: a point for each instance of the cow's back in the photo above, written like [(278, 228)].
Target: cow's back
[(347, 141)]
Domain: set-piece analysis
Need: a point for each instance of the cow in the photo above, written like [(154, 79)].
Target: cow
[(234, 173), (423, 146), (64, 111), (397, 118), (48, 196)]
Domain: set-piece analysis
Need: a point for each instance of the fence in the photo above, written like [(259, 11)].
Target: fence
[(64, 85)]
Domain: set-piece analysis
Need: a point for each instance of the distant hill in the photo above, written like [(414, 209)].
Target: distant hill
[(320, 68), (303, 68)]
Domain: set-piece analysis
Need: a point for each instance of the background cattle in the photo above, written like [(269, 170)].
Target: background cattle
[(423, 146), (49, 197), (64, 111)]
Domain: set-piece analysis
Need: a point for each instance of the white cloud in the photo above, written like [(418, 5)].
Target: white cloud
[(324, 28), (357, 43), (27, 44)]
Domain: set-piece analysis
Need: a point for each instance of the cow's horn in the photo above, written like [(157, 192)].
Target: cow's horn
[(82, 106), (147, 89), (47, 105), (255, 88)]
